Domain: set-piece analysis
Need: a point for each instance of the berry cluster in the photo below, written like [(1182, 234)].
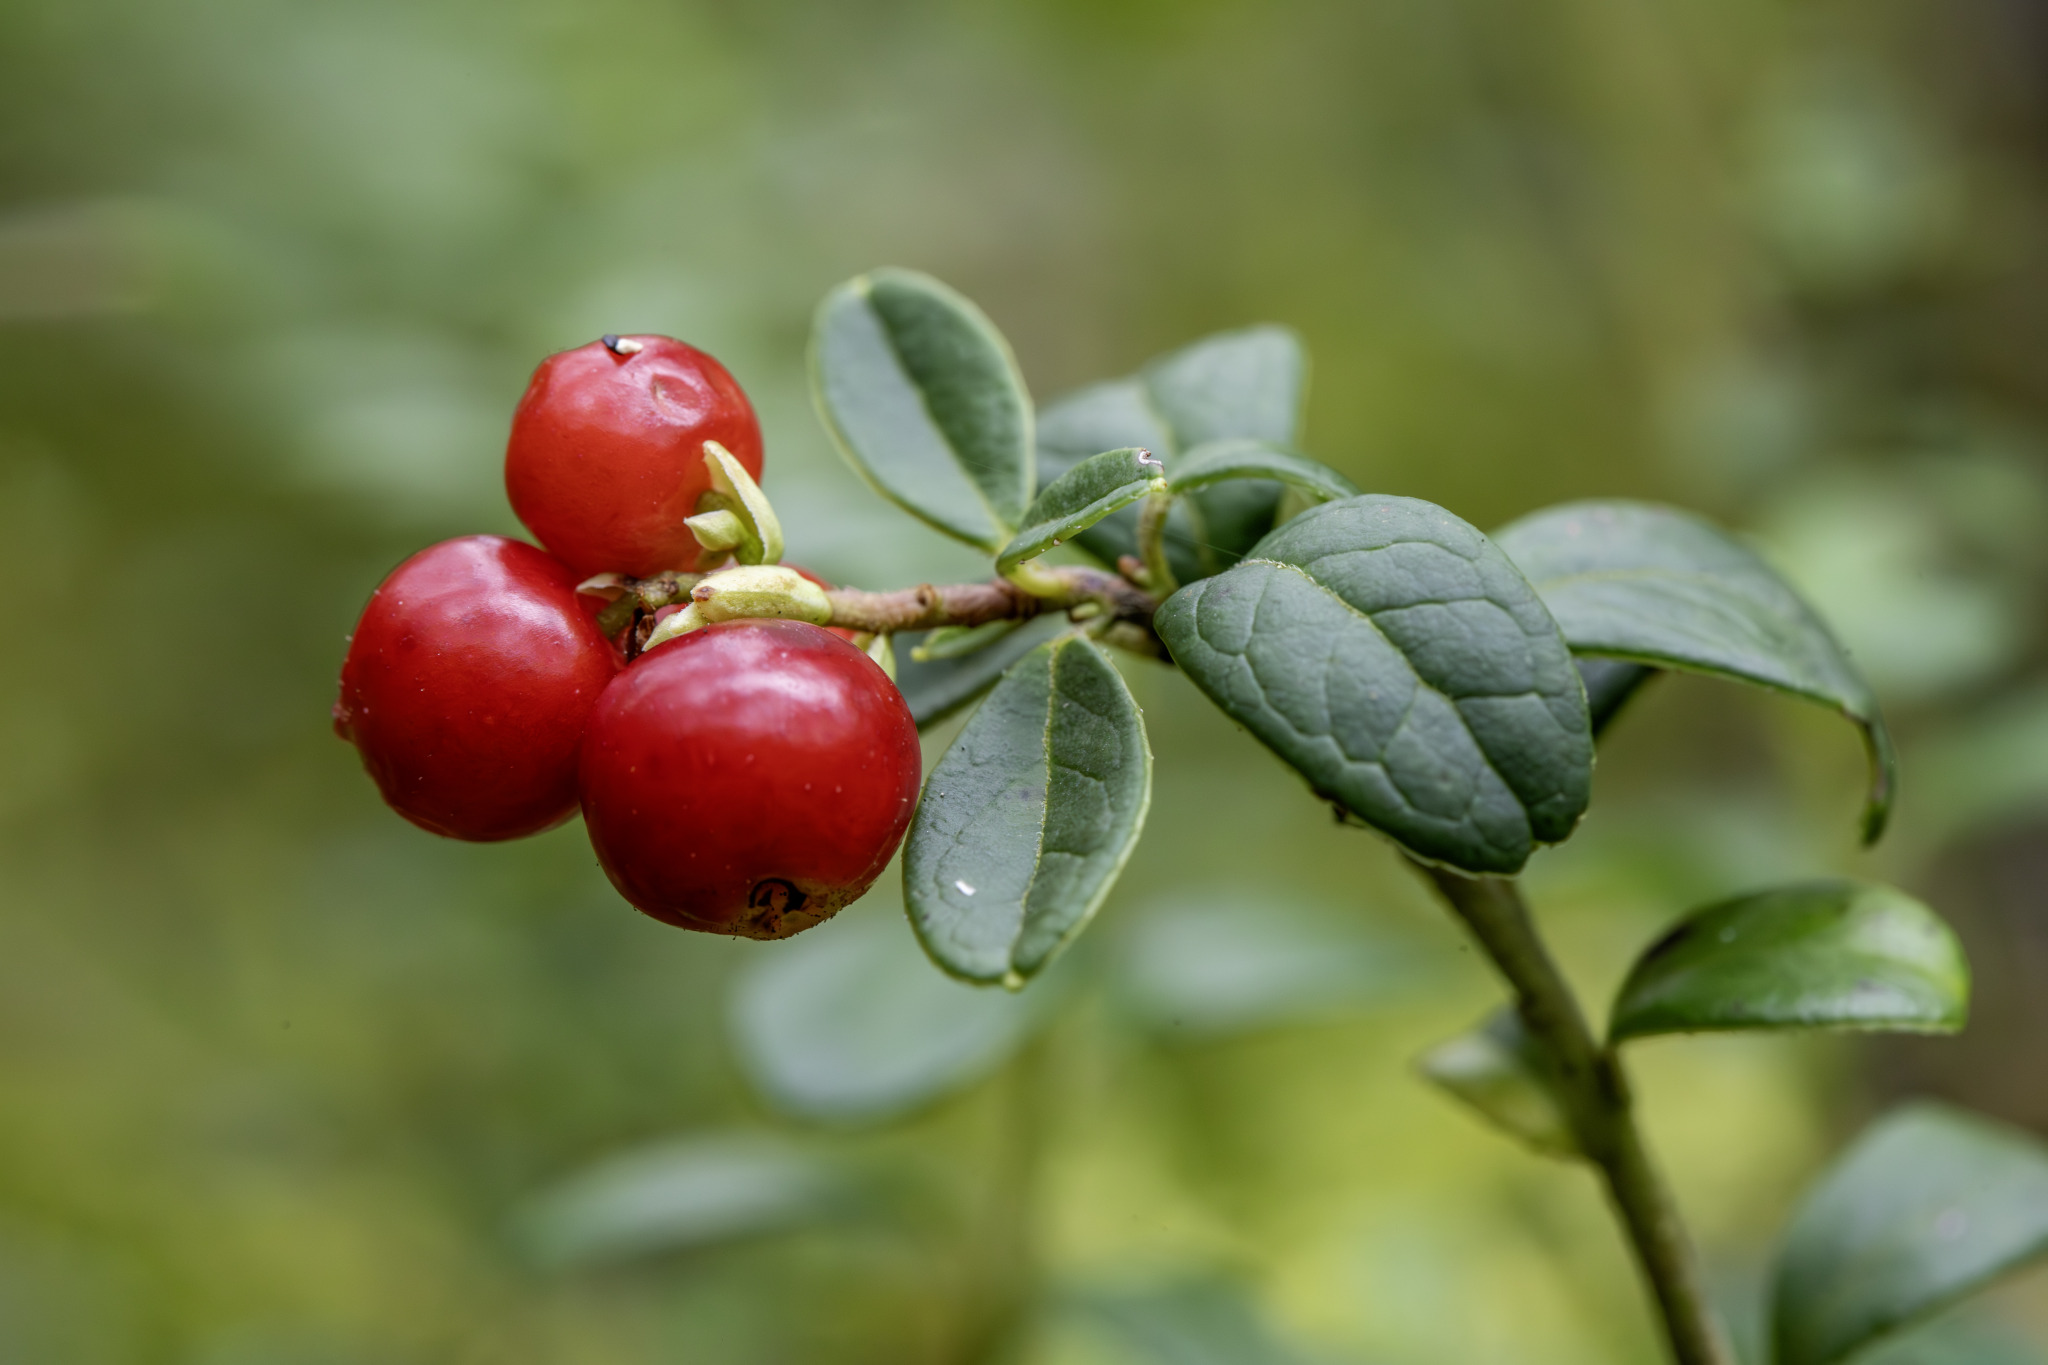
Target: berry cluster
[(740, 775)]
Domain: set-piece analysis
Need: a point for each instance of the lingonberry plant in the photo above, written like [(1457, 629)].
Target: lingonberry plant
[(743, 771)]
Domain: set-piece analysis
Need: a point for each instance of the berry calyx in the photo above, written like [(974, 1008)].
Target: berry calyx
[(751, 777), (467, 684), (606, 461)]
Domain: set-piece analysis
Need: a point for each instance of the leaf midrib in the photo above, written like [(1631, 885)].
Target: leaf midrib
[(867, 293)]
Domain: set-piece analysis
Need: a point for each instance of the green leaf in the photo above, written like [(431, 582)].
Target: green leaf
[(922, 395), (1660, 586), (1823, 954), (1393, 656), (1079, 498), (1245, 384), (939, 687), (1219, 461), (957, 642), (1929, 1205), (675, 1195), (1029, 817), (849, 1023), (1501, 1074)]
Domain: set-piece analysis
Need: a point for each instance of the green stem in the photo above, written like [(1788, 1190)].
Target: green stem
[(1152, 544), (1596, 1097)]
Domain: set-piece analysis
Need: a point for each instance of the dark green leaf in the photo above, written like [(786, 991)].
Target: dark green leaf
[(1929, 1205), (1029, 817), (1079, 498), (1243, 384), (921, 393), (936, 688), (680, 1194), (1393, 655), (1498, 1071), (1219, 461), (1825, 954), (1113, 416), (1660, 586), (1610, 683), (850, 1023)]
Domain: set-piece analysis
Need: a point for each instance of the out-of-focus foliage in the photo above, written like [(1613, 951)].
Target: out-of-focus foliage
[(284, 1080)]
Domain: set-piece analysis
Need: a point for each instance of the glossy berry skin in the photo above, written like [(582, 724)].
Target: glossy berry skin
[(467, 685), (606, 458), (749, 778)]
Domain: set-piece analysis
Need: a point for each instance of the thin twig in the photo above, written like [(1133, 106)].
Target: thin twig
[(1596, 1098), (926, 607)]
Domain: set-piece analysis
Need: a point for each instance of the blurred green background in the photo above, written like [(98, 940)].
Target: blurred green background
[(285, 1081)]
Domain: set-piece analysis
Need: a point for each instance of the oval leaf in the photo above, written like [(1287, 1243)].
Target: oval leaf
[(1500, 1073), (1660, 586), (674, 1195), (1077, 499), (1219, 461), (1029, 817), (850, 1023), (1930, 1204), (1399, 662), (1244, 384), (936, 688), (922, 395), (1826, 954)]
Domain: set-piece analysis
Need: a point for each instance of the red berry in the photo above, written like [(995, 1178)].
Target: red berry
[(749, 778), (467, 685), (606, 458)]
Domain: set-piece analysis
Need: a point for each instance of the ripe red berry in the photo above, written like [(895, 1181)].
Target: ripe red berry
[(606, 458), (749, 778), (467, 684)]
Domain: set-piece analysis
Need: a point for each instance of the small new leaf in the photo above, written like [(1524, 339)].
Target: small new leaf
[(1824, 954), (1499, 1072), (1393, 656), (1659, 586), (1079, 498), (1028, 818), (735, 515), (1219, 461), (923, 397), (1929, 1205), (957, 642)]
